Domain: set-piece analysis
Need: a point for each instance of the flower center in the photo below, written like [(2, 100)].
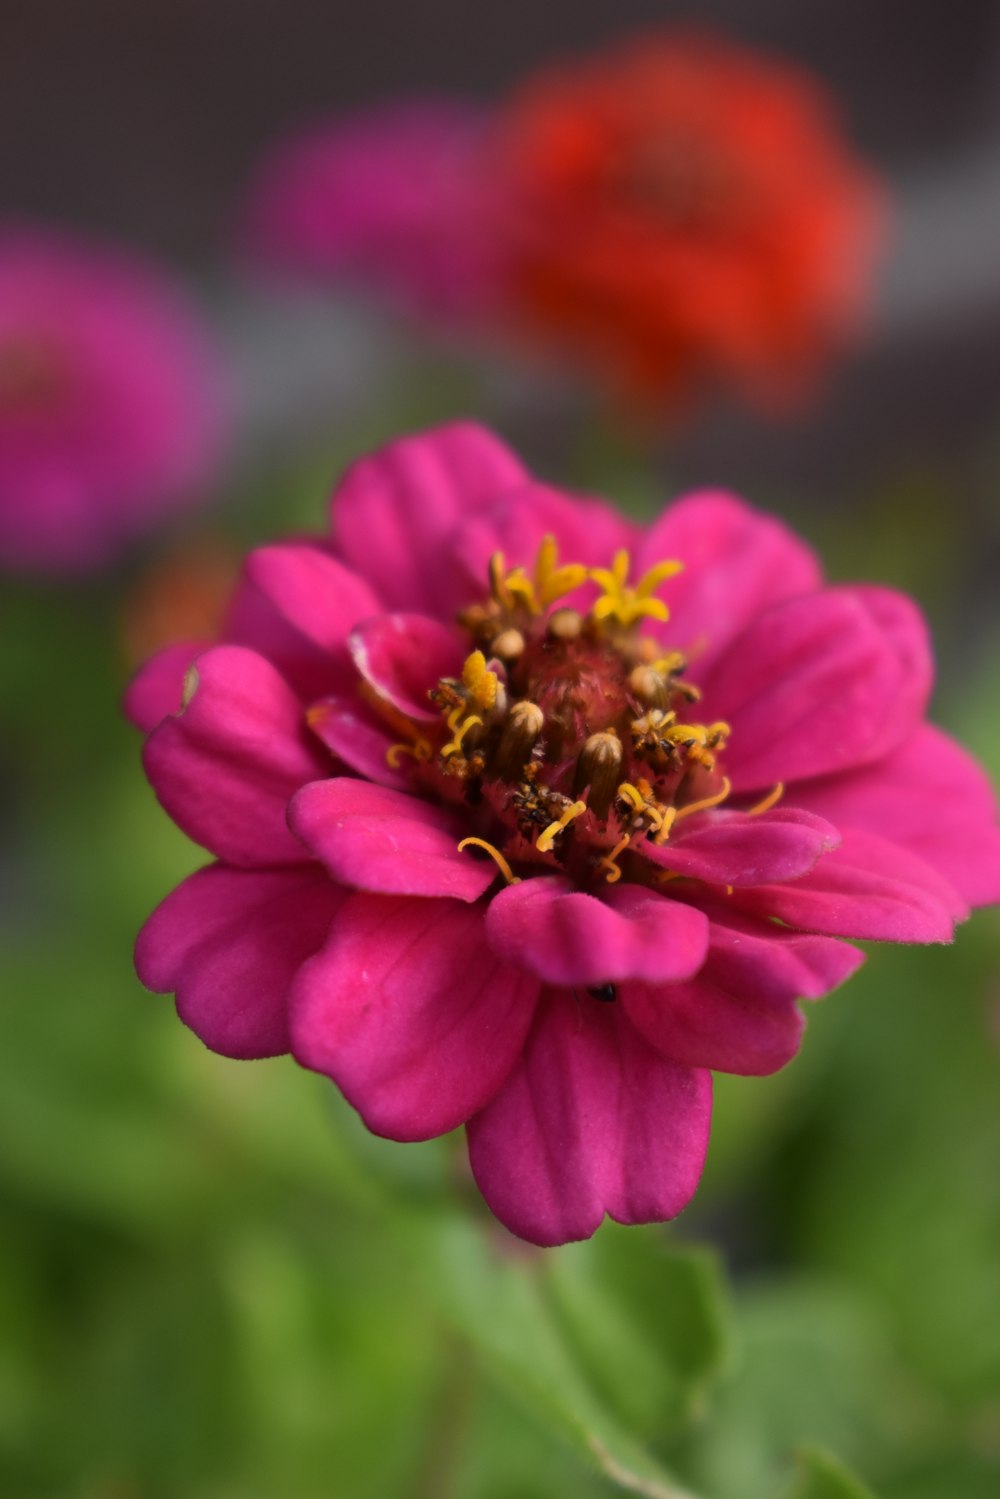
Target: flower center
[(680, 177), (570, 736)]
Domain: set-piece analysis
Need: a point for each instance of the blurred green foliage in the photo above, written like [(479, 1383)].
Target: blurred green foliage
[(215, 1285)]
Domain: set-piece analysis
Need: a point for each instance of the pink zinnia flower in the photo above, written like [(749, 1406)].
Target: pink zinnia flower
[(487, 855), (394, 196), (111, 409)]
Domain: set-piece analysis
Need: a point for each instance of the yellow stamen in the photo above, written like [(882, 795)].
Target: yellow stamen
[(480, 684), (627, 604), (661, 818), (667, 666), (521, 587), (609, 861), (498, 581), (706, 802), (459, 732), (668, 816), (632, 794), (770, 800), (552, 581), (545, 839), (495, 855), (420, 750)]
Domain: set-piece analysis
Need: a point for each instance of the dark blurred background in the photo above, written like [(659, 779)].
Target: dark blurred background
[(142, 120)]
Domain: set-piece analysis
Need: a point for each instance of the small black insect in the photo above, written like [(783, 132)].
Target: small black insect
[(606, 993)]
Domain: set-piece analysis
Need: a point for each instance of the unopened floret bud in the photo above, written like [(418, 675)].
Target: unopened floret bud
[(525, 722), (598, 766), (565, 624), (508, 645)]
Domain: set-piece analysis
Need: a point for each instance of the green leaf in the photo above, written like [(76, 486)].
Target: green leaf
[(494, 1291), (648, 1320), (821, 1476)]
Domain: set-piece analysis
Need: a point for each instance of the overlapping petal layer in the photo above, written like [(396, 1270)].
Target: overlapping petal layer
[(591, 1120), (393, 511), (416, 1023), (379, 839), (565, 936), (229, 942), (226, 766)]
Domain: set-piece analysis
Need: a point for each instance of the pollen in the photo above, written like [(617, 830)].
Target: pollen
[(545, 839), (480, 683)]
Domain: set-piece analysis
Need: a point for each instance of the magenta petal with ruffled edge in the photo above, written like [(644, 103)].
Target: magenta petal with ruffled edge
[(403, 656), (567, 937), (737, 563), (410, 1014), (931, 797), (736, 848), (868, 888), (376, 838), (297, 605), (585, 530), (226, 766), (813, 686), (158, 686), (591, 1121), (393, 511), (229, 942), (354, 733), (739, 1013)]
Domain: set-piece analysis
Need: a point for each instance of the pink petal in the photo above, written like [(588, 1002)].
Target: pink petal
[(567, 937), (402, 656), (158, 685), (735, 848), (868, 888), (392, 511), (932, 797), (739, 1014), (227, 765), (354, 733), (904, 627), (737, 563), (410, 1014), (379, 839), (813, 686), (229, 942), (591, 1121), (296, 605), (585, 530)]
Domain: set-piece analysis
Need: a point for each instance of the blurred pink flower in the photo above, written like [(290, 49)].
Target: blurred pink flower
[(111, 401), (391, 196), (486, 857)]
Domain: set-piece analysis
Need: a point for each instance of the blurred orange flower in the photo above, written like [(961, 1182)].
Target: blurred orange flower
[(682, 209), (182, 596)]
